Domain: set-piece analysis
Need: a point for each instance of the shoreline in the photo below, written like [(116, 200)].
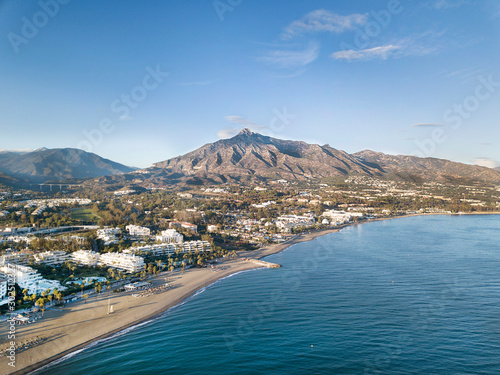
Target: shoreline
[(185, 286)]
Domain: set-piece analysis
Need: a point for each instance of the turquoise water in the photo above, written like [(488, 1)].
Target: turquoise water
[(418, 295)]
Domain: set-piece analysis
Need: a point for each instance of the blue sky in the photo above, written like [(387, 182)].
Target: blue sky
[(142, 81)]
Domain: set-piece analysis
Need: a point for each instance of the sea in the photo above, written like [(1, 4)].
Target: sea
[(414, 295)]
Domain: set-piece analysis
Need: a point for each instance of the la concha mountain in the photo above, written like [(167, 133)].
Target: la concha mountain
[(250, 156)]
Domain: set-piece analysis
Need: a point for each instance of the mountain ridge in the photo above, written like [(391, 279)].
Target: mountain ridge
[(57, 164), (251, 156)]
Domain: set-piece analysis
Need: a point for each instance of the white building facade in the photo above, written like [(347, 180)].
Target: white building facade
[(85, 257), (170, 236), (121, 261), (135, 230), (27, 278)]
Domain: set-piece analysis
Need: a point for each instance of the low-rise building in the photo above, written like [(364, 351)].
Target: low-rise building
[(39, 210), (338, 217), (121, 261), (138, 231), (85, 257), (15, 257), (170, 236), (182, 224), (108, 235), (287, 222), (51, 258), (211, 228)]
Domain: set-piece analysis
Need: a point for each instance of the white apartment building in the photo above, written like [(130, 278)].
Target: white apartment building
[(51, 258), (108, 235), (14, 258), (108, 232), (121, 261), (157, 249), (291, 221), (196, 246), (85, 257), (135, 230), (170, 248), (170, 236), (27, 278), (123, 192), (341, 217), (3, 291)]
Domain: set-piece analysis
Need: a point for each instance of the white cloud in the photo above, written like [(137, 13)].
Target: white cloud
[(485, 162), (291, 58), (381, 52), (227, 133), (413, 45), (240, 121), (323, 20)]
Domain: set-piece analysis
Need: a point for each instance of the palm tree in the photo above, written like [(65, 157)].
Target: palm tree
[(83, 285), (41, 303)]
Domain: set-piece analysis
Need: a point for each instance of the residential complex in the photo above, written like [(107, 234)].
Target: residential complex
[(85, 257), (108, 235), (27, 278), (170, 236), (170, 248), (137, 231), (125, 262), (51, 258)]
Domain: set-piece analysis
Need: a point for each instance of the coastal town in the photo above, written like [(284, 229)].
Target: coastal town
[(53, 242), (62, 248)]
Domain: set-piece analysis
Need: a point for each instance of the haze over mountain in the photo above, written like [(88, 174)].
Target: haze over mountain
[(251, 156), (44, 165), (428, 169)]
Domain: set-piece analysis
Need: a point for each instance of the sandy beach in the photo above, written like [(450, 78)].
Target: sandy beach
[(78, 324)]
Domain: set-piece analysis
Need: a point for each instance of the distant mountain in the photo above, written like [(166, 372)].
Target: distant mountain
[(44, 165), (497, 169), (428, 169), (250, 155)]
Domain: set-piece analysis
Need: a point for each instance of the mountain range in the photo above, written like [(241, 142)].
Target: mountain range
[(248, 156), (251, 156), (62, 164)]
